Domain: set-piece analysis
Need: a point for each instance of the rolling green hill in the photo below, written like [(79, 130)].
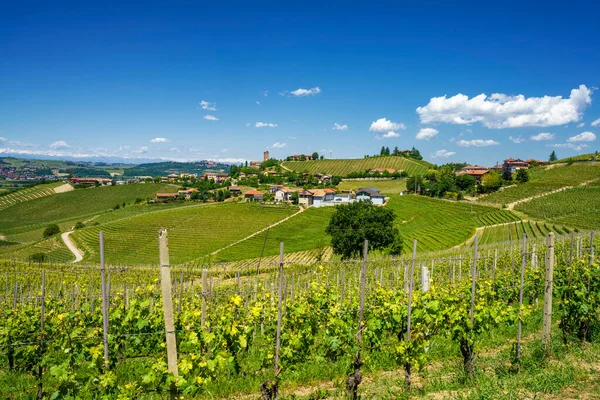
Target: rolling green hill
[(579, 158), (74, 205), (28, 194), (543, 180), (344, 167), (515, 231), (576, 207), (194, 232)]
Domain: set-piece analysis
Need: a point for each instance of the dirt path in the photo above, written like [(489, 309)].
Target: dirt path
[(69, 243), (258, 232), (512, 205)]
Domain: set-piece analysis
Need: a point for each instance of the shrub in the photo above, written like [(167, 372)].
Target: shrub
[(51, 230), (79, 225), (38, 257)]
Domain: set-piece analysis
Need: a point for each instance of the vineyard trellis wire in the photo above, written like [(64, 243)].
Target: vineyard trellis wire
[(224, 315)]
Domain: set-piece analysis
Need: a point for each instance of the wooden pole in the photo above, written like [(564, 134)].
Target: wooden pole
[(279, 299), (165, 283), (572, 244), (523, 262), (548, 294), (473, 279), (204, 294), (363, 284), (407, 366), (104, 301), (40, 391), (591, 247)]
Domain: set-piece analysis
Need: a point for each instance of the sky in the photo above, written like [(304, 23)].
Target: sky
[(460, 81)]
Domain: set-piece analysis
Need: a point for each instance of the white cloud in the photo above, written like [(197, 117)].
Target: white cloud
[(477, 143), (141, 150), (385, 125), (206, 105), (581, 125), (258, 103), (517, 139), (576, 147), (582, 137), (278, 145), (265, 125), (338, 127), (305, 92), (542, 136), (159, 140), (596, 122), (502, 111), (427, 133), (210, 117), (391, 134), (443, 153), (265, 93), (61, 144)]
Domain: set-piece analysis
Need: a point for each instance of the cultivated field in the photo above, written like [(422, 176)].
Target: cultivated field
[(387, 186), (578, 207), (28, 194), (194, 231), (344, 167), (73, 206), (581, 157), (515, 231), (441, 224), (544, 180)]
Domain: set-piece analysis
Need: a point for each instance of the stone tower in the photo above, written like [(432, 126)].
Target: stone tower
[(266, 156)]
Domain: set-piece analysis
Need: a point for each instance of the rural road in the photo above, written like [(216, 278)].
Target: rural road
[(76, 252)]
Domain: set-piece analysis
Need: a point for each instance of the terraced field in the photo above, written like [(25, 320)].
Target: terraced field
[(578, 207), (514, 231), (53, 248), (194, 232), (344, 167), (72, 206), (544, 180), (384, 186), (302, 232), (27, 194), (440, 224)]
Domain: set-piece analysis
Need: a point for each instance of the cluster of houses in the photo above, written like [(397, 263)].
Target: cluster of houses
[(317, 197), (510, 164)]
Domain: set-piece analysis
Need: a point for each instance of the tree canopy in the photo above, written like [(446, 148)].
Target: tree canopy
[(552, 157), (351, 224)]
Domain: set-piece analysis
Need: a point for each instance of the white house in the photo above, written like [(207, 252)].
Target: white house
[(370, 194), (284, 194)]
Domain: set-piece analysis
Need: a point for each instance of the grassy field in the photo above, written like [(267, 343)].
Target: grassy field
[(579, 158), (194, 232), (302, 232), (515, 231), (53, 248), (28, 194), (72, 206), (544, 180), (387, 186), (344, 167), (577, 207)]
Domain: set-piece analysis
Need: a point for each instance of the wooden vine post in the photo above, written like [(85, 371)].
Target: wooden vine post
[(270, 389), (548, 295), (355, 378), (165, 284), (104, 302), (40, 387), (523, 262), (407, 366)]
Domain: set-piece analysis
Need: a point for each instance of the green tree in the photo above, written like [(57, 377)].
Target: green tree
[(351, 224), (387, 151), (414, 183), (506, 174), (382, 151), (315, 156), (552, 157), (491, 181), (79, 225), (51, 230), (522, 175), (465, 182)]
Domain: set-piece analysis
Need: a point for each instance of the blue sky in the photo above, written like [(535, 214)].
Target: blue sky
[(128, 80)]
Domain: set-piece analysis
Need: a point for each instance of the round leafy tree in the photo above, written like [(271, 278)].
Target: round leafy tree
[(51, 230), (351, 224)]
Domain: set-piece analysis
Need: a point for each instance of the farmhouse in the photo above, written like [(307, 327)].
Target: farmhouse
[(476, 171), (165, 196), (323, 178), (305, 198), (253, 195), (235, 190), (273, 189), (255, 164), (299, 157), (215, 176), (187, 193), (284, 194), (514, 164), (370, 194)]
